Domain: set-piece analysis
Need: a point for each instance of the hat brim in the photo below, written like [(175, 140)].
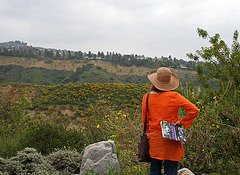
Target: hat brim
[(173, 84)]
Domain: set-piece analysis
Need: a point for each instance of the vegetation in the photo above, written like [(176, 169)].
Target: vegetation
[(216, 127), (29, 161), (221, 62), (113, 111), (221, 106), (20, 49), (88, 73)]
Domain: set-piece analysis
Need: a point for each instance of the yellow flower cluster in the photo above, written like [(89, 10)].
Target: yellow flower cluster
[(121, 95), (217, 126)]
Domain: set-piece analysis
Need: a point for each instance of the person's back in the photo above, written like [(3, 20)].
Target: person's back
[(163, 105)]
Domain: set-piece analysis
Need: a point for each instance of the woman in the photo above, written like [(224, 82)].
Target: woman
[(163, 105)]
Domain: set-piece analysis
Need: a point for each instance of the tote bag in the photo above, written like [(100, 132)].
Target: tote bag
[(143, 147)]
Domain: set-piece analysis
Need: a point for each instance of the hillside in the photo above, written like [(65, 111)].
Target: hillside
[(50, 72), (72, 65)]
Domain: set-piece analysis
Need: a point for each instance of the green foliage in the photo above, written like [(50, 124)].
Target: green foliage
[(111, 171), (41, 76), (13, 118), (213, 139), (13, 105), (27, 161), (107, 112), (66, 161), (45, 137), (90, 172), (216, 131), (221, 62), (91, 74), (15, 74), (48, 61), (124, 127)]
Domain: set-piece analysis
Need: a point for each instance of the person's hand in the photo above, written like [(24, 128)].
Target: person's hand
[(177, 123)]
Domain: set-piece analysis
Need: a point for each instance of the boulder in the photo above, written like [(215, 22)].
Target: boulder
[(100, 157), (185, 171)]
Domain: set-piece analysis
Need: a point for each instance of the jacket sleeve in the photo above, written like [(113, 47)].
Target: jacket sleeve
[(144, 109), (192, 111)]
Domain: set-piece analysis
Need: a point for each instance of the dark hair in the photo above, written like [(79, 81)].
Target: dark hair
[(153, 88)]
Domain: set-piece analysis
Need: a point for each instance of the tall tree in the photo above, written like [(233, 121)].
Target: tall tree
[(220, 61), (57, 55)]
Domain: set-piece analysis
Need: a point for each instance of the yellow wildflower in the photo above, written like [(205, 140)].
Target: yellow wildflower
[(213, 124), (198, 102), (216, 101), (124, 115), (116, 118), (218, 126), (214, 97), (98, 126)]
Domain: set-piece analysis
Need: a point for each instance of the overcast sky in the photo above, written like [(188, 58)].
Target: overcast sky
[(144, 27)]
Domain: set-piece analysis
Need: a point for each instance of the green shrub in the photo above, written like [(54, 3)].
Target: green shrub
[(13, 118), (46, 137), (66, 161), (27, 161)]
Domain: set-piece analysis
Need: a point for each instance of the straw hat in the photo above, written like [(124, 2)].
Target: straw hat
[(164, 79)]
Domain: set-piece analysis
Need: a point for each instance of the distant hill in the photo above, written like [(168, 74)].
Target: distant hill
[(24, 70), (86, 74), (21, 49), (26, 64), (72, 65), (12, 44)]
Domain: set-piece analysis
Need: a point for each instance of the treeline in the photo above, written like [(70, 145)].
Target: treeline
[(20, 49)]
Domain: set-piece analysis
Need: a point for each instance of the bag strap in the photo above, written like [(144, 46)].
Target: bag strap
[(145, 122)]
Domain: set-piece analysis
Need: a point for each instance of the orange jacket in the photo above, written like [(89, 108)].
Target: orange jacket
[(164, 107)]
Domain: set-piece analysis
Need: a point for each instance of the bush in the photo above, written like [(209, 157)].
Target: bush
[(27, 161), (46, 137), (214, 137), (66, 161), (13, 117)]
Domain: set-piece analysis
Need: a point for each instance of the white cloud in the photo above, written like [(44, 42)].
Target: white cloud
[(145, 27)]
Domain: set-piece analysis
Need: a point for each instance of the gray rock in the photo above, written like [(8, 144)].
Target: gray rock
[(100, 157), (185, 171)]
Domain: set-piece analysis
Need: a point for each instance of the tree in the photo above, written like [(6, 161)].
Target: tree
[(63, 54), (89, 54), (220, 61), (58, 55), (69, 55)]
